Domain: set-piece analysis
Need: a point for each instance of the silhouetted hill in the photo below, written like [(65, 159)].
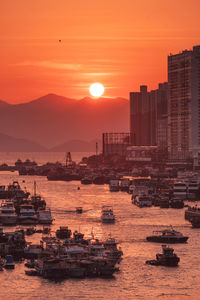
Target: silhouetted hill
[(10, 144), (53, 120), (77, 146), (3, 103)]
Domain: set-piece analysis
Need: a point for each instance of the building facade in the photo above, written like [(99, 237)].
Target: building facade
[(184, 104), (115, 143), (148, 117), (142, 117)]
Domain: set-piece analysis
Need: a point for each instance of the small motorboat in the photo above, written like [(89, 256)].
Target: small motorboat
[(79, 210), (167, 258), (30, 264), (9, 264), (167, 236), (107, 215)]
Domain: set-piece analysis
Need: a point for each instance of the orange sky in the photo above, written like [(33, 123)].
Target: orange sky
[(121, 43)]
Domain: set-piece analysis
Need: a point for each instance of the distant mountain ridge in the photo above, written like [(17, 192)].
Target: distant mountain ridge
[(53, 120), (10, 144)]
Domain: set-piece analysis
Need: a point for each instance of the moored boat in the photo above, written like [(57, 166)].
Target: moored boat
[(63, 233)]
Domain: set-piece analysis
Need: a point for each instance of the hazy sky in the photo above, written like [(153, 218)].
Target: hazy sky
[(121, 43)]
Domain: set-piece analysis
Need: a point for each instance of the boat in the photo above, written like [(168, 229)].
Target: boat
[(142, 201), (8, 215), (167, 236), (107, 215), (51, 267), (44, 216), (176, 203), (191, 212), (164, 202), (125, 183), (193, 190), (37, 201), (30, 263), (167, 258), (32, 251), (63, 233), (114, 185), (195, 221), (79, 210), (86, 180), (27, 214), (9, 264), (180, 190)]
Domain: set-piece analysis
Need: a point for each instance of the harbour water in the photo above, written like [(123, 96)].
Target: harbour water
[(135, 280)]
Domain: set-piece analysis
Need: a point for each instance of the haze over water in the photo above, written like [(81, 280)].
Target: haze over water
[(136, 280)]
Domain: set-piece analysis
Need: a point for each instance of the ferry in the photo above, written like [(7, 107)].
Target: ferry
[(27, 214), (8, 215)]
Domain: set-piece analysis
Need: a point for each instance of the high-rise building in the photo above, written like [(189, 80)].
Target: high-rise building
[(148, 117), (184, 104), (142, 117), (162, 116)]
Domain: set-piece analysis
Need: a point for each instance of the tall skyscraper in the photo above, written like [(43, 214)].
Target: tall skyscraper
[(148, 117), (142, 118), (184, 104)]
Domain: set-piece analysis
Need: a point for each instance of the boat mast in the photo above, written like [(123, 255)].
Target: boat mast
[(34, 188)]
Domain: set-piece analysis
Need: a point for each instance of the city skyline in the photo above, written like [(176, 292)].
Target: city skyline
[(63, 48)]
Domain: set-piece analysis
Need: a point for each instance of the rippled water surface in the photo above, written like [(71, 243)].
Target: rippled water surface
[(136, 280)]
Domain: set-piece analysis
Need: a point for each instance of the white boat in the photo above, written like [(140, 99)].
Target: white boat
[(180, 190), (114, 185), (45, 217), (107, 215), (27, 214), (8, 215)]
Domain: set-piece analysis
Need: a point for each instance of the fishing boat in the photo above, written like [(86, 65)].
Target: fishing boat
[(37, 201)]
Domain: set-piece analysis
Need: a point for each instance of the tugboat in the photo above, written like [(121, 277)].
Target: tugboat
[(167, 258), (167, 236), (63, 232)]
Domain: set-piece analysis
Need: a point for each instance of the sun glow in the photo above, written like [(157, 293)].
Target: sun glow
[(96, 89)]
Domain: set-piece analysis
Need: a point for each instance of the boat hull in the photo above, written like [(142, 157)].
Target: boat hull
[(167, 240)]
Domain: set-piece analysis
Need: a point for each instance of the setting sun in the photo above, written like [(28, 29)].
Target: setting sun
[(96, 89)]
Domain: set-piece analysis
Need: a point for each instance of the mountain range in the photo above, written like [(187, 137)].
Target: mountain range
[(56, 122)]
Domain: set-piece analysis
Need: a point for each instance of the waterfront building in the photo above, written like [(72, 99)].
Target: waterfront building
[(184, 105), (116, 143)]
